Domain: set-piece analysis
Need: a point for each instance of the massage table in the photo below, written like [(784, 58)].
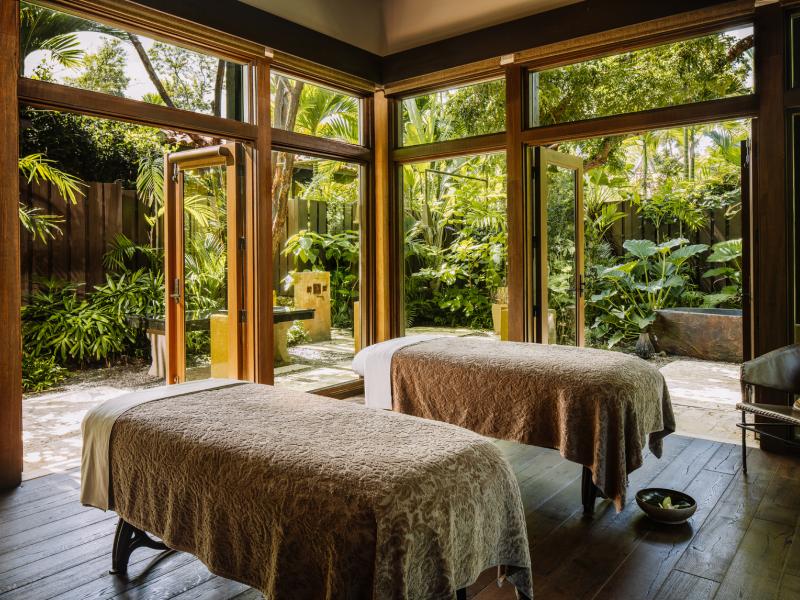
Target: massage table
[(598, 408), (304, 497)]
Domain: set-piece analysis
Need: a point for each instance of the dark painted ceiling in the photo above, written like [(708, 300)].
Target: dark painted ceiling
[(414, 37)]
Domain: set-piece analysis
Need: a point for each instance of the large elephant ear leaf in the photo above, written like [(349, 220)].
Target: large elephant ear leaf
[(725, 251), (640, 248), (673, 243), (645, 322), (615, 339), (688, 251)]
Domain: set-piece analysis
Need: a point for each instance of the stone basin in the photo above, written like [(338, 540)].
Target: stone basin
[(708, 333)]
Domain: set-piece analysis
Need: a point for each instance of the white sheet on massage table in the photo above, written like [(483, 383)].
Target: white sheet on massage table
[(98, 423), (374, 364)]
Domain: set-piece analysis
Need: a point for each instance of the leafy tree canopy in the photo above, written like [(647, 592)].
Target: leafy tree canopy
[(88, 148), (104, 71)]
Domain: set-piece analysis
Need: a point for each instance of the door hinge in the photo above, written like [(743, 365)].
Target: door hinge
[(242, 316), (176, 290)]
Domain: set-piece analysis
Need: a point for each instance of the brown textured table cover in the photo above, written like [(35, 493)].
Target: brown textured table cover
[(304, 497), (595, 406)]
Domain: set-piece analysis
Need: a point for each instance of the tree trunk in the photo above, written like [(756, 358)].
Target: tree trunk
[(287, 102), (686, 152), (217, 106), (151, 72), (645, 160)]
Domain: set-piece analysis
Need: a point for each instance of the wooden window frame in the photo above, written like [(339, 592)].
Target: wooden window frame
[(11, 291), (362, 155), (255, 58), (516, 139), (260, 142), (231, 156)]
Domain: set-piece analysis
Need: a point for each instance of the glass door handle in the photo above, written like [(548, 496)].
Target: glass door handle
[(176, 290), (581, 285)]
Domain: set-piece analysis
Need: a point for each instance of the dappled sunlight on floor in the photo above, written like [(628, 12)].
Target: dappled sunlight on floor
[(52, 420), (704, 396), (52, 428), (319, 364)]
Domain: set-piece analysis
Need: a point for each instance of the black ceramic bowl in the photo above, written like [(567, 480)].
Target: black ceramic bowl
[(650, 499)]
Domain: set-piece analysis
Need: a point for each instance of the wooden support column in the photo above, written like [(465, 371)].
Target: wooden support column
[(259, 259), (383, 221), (10, 291), (515, 160), (771, 216)]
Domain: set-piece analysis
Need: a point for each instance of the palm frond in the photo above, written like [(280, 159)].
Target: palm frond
[(36, 168), (41, 226)]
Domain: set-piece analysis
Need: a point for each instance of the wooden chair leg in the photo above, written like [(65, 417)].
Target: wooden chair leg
[(744, 445)]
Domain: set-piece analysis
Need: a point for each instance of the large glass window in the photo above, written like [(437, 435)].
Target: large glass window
[(454, 113), (307, 108), (455, 245), (316, 270), (662, 232), (65, 49), (706, 68)]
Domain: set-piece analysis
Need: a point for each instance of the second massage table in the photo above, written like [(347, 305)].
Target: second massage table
[(599, 408)]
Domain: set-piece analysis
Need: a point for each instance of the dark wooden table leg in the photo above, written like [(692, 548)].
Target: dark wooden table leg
[(589, 491), (127, 539)]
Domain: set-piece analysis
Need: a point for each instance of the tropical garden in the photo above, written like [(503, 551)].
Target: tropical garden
[(671, 186), (67, 326), (454, 210)]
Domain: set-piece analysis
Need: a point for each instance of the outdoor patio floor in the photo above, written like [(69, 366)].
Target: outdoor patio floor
[(703, 396)]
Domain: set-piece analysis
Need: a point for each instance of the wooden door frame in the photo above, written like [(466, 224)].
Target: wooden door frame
[(230, 155), (11, 292), (536, 276)]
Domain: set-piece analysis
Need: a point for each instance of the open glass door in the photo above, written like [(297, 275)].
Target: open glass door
[(203, 264), (555, 221)]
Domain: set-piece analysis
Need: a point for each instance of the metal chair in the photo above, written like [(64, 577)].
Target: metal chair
[(776, 370)]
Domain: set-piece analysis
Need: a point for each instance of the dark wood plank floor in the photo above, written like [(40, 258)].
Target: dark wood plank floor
[(743, 542)]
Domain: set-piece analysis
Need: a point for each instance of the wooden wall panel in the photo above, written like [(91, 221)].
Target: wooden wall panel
[(10, 292), (771, 211), (771, 257)]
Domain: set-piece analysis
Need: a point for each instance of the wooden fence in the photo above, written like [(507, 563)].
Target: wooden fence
[(633, 227), (311, 216), (89, 225), (718, 229)]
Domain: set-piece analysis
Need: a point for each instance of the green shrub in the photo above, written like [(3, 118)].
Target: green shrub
[(336, 254), (728, 255), (40, 373), (626, 295), (76, 330), (297, 334)]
